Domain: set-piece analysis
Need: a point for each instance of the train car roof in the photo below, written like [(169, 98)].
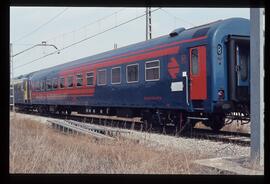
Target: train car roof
[(193, 32)]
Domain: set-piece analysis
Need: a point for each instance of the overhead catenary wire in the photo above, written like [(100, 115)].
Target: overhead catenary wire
[(23, 44), (123, 23), (36, 59), (42, 25), (87, 25), (181, 19), (87, 38), (73, 31)]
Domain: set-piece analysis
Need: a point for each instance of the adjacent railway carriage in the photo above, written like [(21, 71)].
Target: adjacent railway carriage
[(201, 73)]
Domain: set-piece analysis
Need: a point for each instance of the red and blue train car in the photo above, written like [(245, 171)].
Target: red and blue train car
[(201, 73)]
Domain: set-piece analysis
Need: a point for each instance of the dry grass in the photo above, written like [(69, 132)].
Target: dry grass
[(37, 148)]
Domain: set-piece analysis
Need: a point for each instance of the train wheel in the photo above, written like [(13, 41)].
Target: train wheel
[(39, 109), (68, 112), (183, 125), (216, 122), (150, 125), (163, 129), (176, 129), (188, 126), (145, 125), (141, 127)]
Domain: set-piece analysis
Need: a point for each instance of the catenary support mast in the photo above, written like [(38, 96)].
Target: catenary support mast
[(256, 84), (148, 23)]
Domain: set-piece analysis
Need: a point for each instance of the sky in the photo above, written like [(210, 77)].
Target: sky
[(63, 26)]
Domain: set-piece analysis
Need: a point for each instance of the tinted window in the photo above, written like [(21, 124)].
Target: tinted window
[(90, 78), (42, 85), (79, 80), (70, 81), (37, 86), (133, 73), (116, 75), (55, 84), (49, 85), (62, 82), (243, 62), (101, 77), (194, 62), (152, 70)]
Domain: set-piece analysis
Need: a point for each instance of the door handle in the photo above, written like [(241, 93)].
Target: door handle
[(187, 86)]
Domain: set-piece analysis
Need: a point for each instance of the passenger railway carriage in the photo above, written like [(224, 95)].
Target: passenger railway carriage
[(189, 75)]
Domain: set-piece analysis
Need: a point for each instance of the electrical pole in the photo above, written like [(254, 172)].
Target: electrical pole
[(146, 26), (148, 23), (257, 28), (11, 91)]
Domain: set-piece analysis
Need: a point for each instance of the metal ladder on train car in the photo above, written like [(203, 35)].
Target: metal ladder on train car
[(12, 96)]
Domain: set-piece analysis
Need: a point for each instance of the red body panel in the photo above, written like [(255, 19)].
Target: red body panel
[(198, 86), (173, 68)]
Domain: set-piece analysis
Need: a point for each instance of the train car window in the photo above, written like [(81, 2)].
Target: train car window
[(43, 85), (79, 80), (55, 83), (34, 85), (38, 86), (90, 79), (70, 81), (152, 70), (22, 87), (48, 85), (132, 73), (194, 62), (116, 75), (101, 77), (62, 82), (244, 60)]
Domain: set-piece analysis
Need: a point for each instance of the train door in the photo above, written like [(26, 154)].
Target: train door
[(198, 87), (29, 90), (25, 91), (238, 68)]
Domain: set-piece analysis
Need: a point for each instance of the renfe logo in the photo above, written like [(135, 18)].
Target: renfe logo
[(173, 68)]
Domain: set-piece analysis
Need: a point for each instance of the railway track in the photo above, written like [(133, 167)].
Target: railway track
[(88, 122), (223, 136)]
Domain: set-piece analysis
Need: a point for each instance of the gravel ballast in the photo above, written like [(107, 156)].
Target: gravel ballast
[(200, 146)]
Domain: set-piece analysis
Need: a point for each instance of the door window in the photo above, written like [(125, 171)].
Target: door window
[(194, 62), (243, 62)]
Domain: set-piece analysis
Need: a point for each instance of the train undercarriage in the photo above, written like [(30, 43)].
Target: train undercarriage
[(168, 120)]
